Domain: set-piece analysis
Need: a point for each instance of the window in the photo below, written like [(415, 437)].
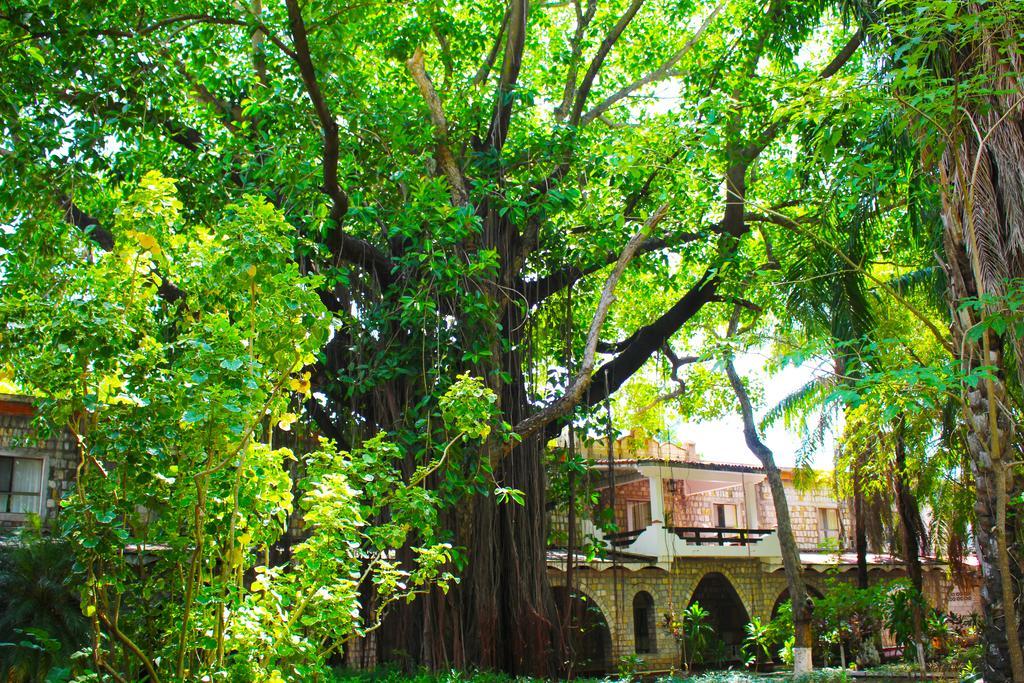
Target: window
[(828, 523), (638, 514), (725, 515), (643, 623), (21, 485)]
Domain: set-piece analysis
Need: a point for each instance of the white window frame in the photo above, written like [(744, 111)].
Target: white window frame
[(724, 508), (631, 522), (825, 532), (43, 494)]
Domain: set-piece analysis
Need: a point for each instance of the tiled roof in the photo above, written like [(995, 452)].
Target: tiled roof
[(686, 464)]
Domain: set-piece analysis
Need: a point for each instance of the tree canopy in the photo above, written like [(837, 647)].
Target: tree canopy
[(573, 201)]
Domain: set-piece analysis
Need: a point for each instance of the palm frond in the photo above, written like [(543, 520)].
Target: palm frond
[(798, 403)]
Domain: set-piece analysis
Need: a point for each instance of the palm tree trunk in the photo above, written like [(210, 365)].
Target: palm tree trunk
[(983, 201)]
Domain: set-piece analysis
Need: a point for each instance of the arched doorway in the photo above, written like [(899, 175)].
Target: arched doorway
[(727, 617), (588, 638), (645, 627)]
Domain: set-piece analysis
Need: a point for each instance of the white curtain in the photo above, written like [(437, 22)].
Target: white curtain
[(27, 479)]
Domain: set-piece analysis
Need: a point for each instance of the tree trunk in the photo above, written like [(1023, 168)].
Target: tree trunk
[(910, 530), (501, 615), (992, 530), (802, 649), (860, 526), (983, 215)]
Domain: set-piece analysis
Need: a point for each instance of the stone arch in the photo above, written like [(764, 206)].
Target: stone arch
[(747, 601), (784, 595), (590, 637), (645, 623), (728, 614)]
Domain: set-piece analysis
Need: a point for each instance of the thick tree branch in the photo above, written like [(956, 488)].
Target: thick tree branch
[(484, 71), (451, 170), (648, 339), (536, 291), (581, 382), (739, 303), (180, 21), (229, 113), (191, 19), (662, 398), (361, 253), (678, 362), (185, 135), (511, 64), (659, 74), (598, 61), (341, 245), (583, 19), (328, 125), (90, 225)]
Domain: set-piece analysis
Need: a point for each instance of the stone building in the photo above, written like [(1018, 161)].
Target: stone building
[(696, 530), (34, 474)]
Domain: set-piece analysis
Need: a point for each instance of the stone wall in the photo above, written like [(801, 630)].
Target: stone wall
[(804, 515), (699, 509), (758, 585), (625, 494), (59, 456)]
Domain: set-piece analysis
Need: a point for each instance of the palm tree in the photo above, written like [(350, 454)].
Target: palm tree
[(976, 134), (828, 294), (41, 620)]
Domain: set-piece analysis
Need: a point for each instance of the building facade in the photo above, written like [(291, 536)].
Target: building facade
[(34, 474), (695, 530)]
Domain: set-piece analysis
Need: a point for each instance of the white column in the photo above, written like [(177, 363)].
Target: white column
[(657, 499), (750, 502)]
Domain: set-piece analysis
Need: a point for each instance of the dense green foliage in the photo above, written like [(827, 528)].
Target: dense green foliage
[(181, 490), (224, 226)]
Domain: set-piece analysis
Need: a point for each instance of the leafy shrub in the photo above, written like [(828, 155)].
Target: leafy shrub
[(41, 621), (628, 666), (759, 643), (959, 643), (781, 629), (692, 632), (849, 619)]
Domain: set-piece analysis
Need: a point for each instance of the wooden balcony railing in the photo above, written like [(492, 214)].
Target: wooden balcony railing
[(622, 538), (696, 535)]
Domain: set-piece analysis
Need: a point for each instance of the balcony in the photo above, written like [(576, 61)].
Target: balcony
[(621, 539), (685, 541), (696, 535)]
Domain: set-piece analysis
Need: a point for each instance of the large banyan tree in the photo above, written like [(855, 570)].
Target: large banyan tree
[(453, 171)]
